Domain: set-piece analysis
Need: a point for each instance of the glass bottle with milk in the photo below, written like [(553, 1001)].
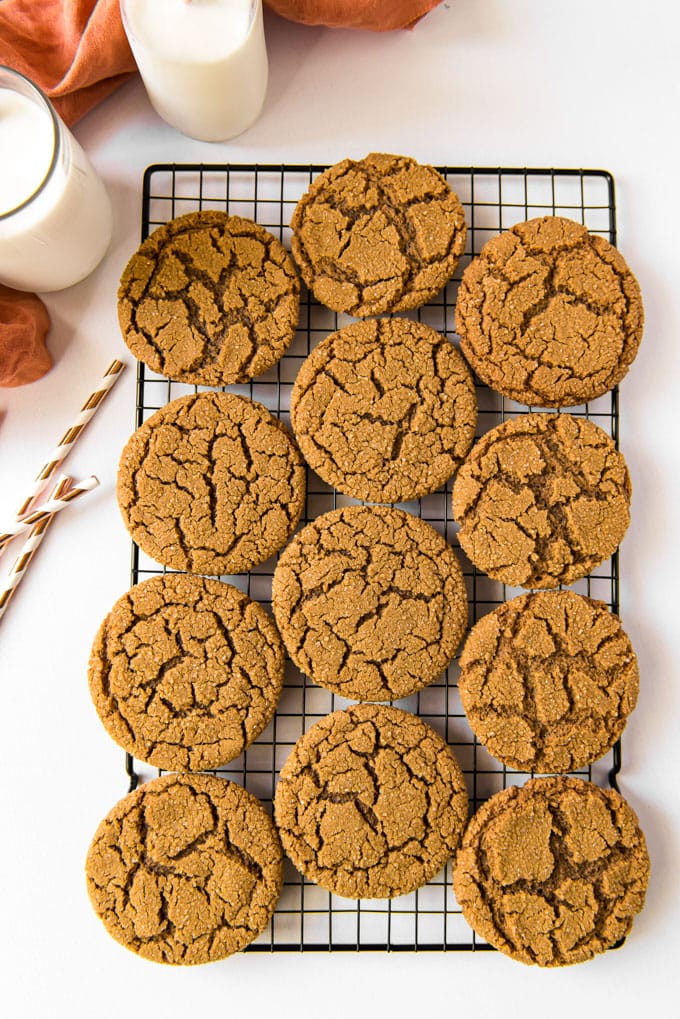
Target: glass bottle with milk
[(55, 215), (203, 62)]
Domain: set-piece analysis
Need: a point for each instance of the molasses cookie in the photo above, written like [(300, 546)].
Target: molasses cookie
[(371, 802), (209, 299), (211, 483), (554, 872), (384, 410), (185, 870), (185, 672), (548, 680), (542, 500), (549, 314), (383, 233), (370, 602)]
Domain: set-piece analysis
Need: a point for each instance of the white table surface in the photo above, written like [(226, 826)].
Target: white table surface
[(491, 82)]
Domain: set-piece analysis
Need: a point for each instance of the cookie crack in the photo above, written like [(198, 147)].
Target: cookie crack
[(241, 855)]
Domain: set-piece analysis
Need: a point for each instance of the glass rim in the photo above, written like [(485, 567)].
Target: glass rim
[(56, 142)]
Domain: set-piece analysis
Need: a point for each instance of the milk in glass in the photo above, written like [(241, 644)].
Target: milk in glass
[(55, 215)]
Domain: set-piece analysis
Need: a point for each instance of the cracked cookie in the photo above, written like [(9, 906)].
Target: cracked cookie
[(371, 802), (370, 602), (384, 410), (549, 314), (379, 234), (186, 672), (548, 680), (554, 872), (211, 483), (209, 299), (541, 500), (185, 870)]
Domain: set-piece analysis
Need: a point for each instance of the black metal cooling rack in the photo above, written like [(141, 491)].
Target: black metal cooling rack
[(308, 918)]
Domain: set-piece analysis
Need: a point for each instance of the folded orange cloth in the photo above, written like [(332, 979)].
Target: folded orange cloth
[(375, 15), (75, 50), (24, 323)]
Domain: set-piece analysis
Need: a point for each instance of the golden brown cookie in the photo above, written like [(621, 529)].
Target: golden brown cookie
[(187, 869), (384, 410), (542, 500), (554, 872), (383, 233), (186, 672), (371, 802), (209, 299), (370, 602), (211, 483), (549, 314), (548, 680)]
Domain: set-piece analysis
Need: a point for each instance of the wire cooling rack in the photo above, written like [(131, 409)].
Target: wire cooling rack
[(308, 918)]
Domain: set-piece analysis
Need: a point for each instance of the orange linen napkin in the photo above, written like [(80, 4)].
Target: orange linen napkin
[(375, 15), (24, 323), (75, 50)]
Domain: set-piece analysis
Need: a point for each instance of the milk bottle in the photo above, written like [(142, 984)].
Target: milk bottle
[(203, 62)]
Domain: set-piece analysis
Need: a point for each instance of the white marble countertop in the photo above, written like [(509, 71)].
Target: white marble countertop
[(483, 83)]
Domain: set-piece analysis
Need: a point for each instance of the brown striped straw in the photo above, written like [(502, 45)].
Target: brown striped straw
[(68, 440), (53, 505), (30, 547)]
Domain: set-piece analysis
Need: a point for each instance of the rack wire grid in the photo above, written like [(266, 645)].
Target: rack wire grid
[(308, 918)]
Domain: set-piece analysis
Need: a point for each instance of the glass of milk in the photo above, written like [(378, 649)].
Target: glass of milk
[(55, 216), (203, 62)]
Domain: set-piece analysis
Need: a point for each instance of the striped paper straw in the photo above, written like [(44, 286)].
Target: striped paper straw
[(53, 505), (29, 549), (68, 440)]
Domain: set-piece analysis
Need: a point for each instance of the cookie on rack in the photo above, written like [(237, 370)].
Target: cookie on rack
[(378, 234), (548, 680), (549, 314), (384, 410), (186, 672), (541, 500), (185, 870), (209, 299), (370, 602), (554, 872), (211, 483), (371, 802)]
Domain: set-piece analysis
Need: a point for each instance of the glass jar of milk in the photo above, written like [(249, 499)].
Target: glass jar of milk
[(55, 215), (203, 62)]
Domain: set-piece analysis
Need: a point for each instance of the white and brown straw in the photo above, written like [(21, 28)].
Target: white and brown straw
[(68, 440), (29, 549), (37, 519), (47, 509)]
